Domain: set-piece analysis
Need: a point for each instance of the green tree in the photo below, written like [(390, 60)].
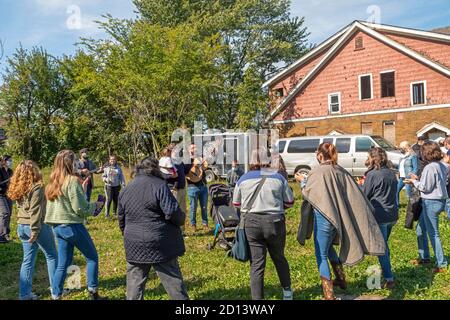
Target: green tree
[(152, 77), (33, 99), (257, 37)]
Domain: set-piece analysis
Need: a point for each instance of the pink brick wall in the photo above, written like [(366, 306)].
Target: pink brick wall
[(341, 74), (290, 80), (438, 51)]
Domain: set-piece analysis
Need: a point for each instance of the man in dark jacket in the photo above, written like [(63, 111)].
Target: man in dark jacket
[(5, 203), (85, 169), (150, 220)]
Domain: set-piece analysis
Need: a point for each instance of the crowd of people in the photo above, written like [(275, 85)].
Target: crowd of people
[(151, 211)]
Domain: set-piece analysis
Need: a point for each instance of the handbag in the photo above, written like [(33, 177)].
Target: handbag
[(240, 249)]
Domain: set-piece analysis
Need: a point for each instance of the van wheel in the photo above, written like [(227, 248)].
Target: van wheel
[(210, 176), (303, 170)]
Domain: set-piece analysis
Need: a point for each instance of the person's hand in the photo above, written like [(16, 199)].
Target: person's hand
[(33, 237), (85, 171), (85, 184), (299, 177), (413, 177)]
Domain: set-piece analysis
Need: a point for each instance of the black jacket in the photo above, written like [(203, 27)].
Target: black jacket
[(421, 161), (5, 176), (380, 187), (150, 220)]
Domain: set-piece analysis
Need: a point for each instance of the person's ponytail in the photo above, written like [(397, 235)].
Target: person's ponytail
[(329, 152)]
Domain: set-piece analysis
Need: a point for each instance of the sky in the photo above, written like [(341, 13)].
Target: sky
[(57, 25)]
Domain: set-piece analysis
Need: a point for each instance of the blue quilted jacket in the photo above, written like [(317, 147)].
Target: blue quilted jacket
[(150, 220)]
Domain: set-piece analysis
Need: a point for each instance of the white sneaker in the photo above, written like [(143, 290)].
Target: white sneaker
[(288, 294)]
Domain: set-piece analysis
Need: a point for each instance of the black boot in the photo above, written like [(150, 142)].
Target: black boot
[(95, 296)]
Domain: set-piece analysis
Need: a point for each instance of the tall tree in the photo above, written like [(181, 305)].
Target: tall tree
[(33, 99), (153, 77), (258, 37)]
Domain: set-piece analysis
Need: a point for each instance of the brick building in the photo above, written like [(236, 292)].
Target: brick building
[(367, 78)]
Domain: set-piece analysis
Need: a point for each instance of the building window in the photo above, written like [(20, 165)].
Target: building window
[(359, 43), (365, 87), (311, 131), (418, 92), (367, 128), (389, 131), (387, 84), (334, 102), (279, 92)]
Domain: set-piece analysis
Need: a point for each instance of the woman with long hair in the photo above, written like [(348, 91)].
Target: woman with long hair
[(27, 189), (262, 195), (67, 209), (150, 220), (335, 208), (380, 187), (432, 185)]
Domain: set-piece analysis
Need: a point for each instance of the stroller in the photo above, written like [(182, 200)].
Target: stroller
[(224, 216)]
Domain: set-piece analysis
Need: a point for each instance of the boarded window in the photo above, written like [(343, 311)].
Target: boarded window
[(367, 128), (311, 131), (388, 84), (359, 43), (365, 87), (418, 93), (389, 131)]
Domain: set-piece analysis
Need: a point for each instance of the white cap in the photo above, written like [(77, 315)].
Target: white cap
[(165, 162)]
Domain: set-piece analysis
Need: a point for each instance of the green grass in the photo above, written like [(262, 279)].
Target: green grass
[(212, 275)]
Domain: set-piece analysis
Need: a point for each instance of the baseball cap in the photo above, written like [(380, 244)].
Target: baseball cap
[(165, 162)]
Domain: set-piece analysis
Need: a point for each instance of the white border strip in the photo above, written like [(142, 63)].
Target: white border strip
[(305, 58), (406, 31), (408, 109), (337, 45)]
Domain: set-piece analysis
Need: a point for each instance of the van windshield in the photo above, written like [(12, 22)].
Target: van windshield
[(383, 143)]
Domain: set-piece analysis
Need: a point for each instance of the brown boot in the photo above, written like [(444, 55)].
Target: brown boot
[(327, 287), (339, 274)]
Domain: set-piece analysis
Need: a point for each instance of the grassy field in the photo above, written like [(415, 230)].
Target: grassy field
[(212, 275)]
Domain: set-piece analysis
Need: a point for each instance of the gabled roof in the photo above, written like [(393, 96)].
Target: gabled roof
[(307, 57), (340, 39), (433, 125)]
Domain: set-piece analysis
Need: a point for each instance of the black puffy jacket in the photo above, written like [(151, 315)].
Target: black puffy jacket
[(150, 220)]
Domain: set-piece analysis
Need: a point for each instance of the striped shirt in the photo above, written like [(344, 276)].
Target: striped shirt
[(274, 197)]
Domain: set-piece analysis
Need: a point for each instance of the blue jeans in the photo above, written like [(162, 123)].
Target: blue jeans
[(324, 233), (385, 261), (400, 186), (428, 227), (198, 193), (447, 207), (88, 192), (70, 236), (45, 242)]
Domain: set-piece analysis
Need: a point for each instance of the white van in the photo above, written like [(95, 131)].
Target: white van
[(299, 153)]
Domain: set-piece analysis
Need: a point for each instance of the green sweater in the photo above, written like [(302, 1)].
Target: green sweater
[(71, 207), (31, 209)]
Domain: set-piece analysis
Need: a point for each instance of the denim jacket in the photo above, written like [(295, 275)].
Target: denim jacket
[(411, 164)]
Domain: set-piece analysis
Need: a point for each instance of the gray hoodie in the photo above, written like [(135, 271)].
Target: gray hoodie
[(433, 182)]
